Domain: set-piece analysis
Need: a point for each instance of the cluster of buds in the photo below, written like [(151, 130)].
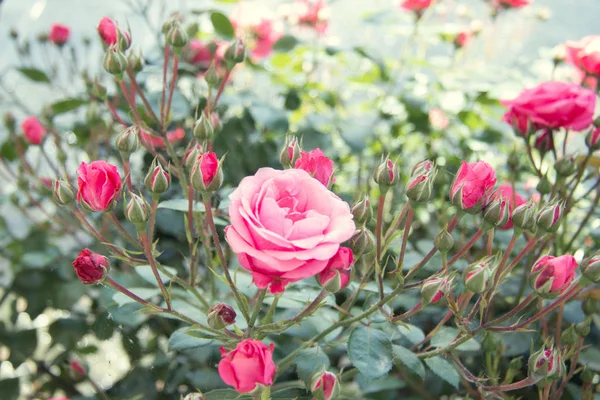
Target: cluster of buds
[(523, 216), (444, 241), (420, 184), (386, 175), (220, 316), (590, 268)]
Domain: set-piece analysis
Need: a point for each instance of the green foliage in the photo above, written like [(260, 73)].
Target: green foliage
[(370, 350)]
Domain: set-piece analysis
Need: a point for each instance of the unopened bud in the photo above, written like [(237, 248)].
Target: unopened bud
[(63, 193), (584, 327), (477, 275), (211, 76), (362, 241), (290, 152), (235, 54), (497, 212), (591, 268), (177, 36), (78, 371), (549, 216), (137, 210), (592, 139), (9, 121), (420, 184), (362, 211), (589, 306), (544, 186), (206, 174), (191, 156), (444, 241), (386, 175), (588, 376), (569, 336), (136, 61), (434, 290), (545, 364), (220, 316), (325, 386), (157, 180), (523, 216), (128, 140), (114, 61), (566, 166), (516, 364), (203, 129)]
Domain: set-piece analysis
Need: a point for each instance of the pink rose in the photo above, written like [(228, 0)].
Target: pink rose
[(154, 141), (415, 5), (33, 131), (109, 32), (512, 3), (59, 34), (286, 226), (328, 384), (553, 275), (318, 165), (463, 38), (472, 185), (99, 185), (266, 36), (336, 275), (552, 105), (584, 54), (311, 14), (514, 200), (90, 267), (198, 53), (250, 364)]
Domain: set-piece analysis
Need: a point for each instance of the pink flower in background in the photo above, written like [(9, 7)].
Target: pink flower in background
[(438, 119), (514, 200), (473, 183), (250, 364), (415, 5), (318, 165), (173, 136), (198, 53), (59, 34), (327, 382), (99, 185), (512, 3), (265, 37), (33, 131), (463, 38), (108, 31), (286, 226), (311, 14), (552, 105), (584, 54)]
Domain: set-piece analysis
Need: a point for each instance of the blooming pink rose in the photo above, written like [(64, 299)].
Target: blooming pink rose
[(559, 270), (512, 3), (584, 54), (99, 185), (33, 131), (90, 267), (250, 364), (108, 31), (317, 164), (339, 265), (514, 200), (311, 14), (328, 382), (266, 36), (59, 34), (473, 183), (552, 105), (415, 5), (286, 226)]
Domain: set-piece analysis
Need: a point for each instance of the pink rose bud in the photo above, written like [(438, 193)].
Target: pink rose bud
[(420, 184), (318, 165), (472, 185), (514, 200), (249, 365), (477, 275), (362, 211), (550, 276), (77, 371), (177, 36), (438, 119), (59, 34), (63, 192), (497, 211), (435, 289), (325, 386), (206, 174), (591, 268), (157, 180), (416, 5), (128, 140), (592, 139), (33, 131), (203, 129), (90, 267), (312, 15), (220, 316), (191, 156), (47, 183), (584, 54), (566, 166), (336, 276), (523, 217), (386, 175), (543, 141), (176, 135), (112, 35), (549, 217), (553, 105), (545, 364), (137, 210), (291, 151), (235, 53), (99, 185)]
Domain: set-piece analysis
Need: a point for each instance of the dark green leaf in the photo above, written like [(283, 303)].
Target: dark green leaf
[(222, 25), (309, 362), (285, 43), (10, 389), (446, 335), (409, 360), (8, 151), (384, 383), (443, 369), (180, 340), (34, 74), (63, 106), (225, 394), (370, 350)]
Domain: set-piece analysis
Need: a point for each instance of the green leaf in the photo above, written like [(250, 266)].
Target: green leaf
[(590, 357), (446, 335), (412, 333), (180, 340), (181, 205), (8, 151), (285, 43), (10, 388), (310, 362), (224, 394), (34, 74), (222, 25), (385, 383), (443, 369), (370, 351), (409, 360), (291, 393), (64, 106)]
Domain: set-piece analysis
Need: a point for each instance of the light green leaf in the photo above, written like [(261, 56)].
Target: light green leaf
[(409, 360), (222, 25), (145, 271), (370, 350), (64, 106), (443, 369), (34, 74), (412, 333), (181, 205), (144, 293), (285, 43)]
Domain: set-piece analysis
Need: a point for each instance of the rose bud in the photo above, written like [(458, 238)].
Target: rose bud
[(290, 152), (220, 316), (137, 210), (477, 275), (211, 76), (63, 192), (99, 185), (112, 35), (169, 23), (591, 268), (543, 141), (589, 306), (514, 200), (444, 241), (157, 180), (59, 34), (545, 363), (203, 129), (206, 174), (77, 371), (584, 327), (420, 184), (565, 166), (136, 61), (592, 139), (435, 289), (386, 175), (569, 336), (550, 276), (177, 36), (325, 386), (90, 267), (497, 212), (249, 365), (114, 61), (362, 241), (472, 185), (336, 276), (318, 165), (544, 186), (362, 211), (191, 156), (235, 54), (549, 216), (523, 217), (33, 131), (128, 140)]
